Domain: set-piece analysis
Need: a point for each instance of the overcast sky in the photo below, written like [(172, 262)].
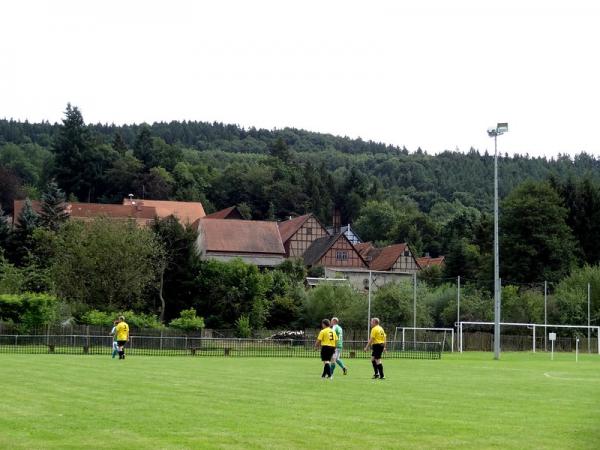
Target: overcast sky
[(410, 73)]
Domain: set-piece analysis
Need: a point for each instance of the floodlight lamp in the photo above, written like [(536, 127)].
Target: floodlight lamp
[(502, 128), (492, 132)]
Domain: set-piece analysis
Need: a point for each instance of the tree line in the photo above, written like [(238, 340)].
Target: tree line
[(439, 204)]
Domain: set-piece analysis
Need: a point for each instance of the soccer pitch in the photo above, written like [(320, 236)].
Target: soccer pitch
[(523, 401)]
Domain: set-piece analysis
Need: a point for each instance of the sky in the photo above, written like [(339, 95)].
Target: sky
[(434, 74)]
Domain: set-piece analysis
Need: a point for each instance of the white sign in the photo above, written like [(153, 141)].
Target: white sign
[(552, 336)]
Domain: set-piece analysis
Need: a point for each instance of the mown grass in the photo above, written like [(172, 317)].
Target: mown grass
[(523, 401)]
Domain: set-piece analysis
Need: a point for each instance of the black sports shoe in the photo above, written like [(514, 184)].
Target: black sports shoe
[(375, 376), (345, 371), (382, 378)]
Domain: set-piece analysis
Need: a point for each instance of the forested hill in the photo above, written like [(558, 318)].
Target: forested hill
[(440, 204), (425, 178)]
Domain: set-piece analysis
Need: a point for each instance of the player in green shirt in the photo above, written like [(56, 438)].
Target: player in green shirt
[(339, 346)]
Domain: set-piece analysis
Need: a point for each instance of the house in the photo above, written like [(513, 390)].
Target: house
[(228, 213), (186, 212), (349, 232), (393, 258), (428, 261), (143, 215), (255, 242), (299, 233), (333, 251), (359, 278)]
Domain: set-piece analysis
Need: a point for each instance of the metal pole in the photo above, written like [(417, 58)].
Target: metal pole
[(496, 257), (369, 310), (533, 338), (414, 307), (589, 323), (458, 304), (545, 316)]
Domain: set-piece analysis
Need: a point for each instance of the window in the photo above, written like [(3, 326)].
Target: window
[(406, 253), (341, 255), (309, 231)]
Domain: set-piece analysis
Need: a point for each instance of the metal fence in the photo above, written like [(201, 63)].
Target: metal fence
[(195, 346)]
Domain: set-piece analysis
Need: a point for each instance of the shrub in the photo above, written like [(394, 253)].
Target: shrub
[(242, 327), (188, 321), (106, 319), (30, 309)]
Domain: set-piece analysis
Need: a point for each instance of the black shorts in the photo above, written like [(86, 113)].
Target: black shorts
[(121, 343), (377, 351), (327, 353)]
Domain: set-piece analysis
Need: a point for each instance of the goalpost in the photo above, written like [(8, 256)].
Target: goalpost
[(531, 326), (402, 332)]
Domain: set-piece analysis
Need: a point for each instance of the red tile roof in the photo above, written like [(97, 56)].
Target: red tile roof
[(427, 261), (91, 210), (186, 212), (384, 258), (240, 236), (288, 228), (228, 213), (364, 248)]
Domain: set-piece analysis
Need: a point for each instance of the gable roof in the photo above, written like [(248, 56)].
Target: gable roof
[(240, 236), (364, 248), (91, 210), (186, 212), (320, 246), (288, 228), (427, 261), (228, 213), (384, 258)]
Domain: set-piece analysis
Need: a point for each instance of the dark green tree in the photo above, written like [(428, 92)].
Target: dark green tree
[(144, 146), (21, 242), (118, 144), (4, 231), (280, 150), (54, 207), (536, 243)]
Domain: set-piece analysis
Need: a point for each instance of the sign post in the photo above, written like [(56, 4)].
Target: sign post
[(552, 337)]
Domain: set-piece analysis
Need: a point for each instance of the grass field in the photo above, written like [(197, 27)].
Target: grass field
[(524, 401)]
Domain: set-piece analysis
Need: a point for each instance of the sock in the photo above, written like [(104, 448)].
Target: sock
[(328, 369), (374, 367), (340, 363), (332, 366), (121, 354), (324, 370), (380, 367)]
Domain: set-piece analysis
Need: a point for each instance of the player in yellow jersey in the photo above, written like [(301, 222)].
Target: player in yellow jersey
[(122, 334), (327, 340), (377, 342)]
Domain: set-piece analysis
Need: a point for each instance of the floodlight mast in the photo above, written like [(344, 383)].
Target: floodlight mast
[(500, 129)]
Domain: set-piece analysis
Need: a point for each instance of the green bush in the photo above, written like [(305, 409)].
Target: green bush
[(188, 321), (30, 309), (242, 327), (103, 318)]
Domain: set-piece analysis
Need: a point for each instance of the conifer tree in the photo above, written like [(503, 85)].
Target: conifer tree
[(4, 230), (54, 207)]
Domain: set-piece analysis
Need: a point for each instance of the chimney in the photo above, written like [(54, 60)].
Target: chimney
[(337, 221)]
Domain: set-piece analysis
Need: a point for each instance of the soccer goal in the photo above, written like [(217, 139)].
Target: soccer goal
[(537, 331), (426, 334)]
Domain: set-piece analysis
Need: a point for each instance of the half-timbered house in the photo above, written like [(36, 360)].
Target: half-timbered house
[(333, 251), (393, 258), (299, 233)]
